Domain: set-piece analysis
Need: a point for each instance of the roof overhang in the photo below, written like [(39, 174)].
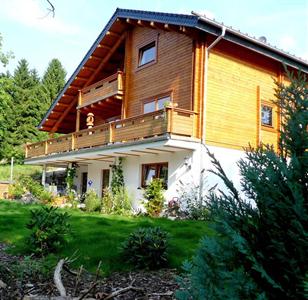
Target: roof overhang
[(195, 22)]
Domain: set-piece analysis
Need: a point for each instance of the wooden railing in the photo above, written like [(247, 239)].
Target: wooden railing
[(110, 86), (170, 120)]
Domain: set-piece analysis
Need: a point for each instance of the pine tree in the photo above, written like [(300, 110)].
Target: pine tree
[(53, 81), (260, 247)]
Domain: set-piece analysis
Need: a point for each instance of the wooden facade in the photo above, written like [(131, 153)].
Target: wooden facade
[(113, 87)]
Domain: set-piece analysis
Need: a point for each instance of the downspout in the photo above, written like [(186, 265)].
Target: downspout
[(203, 109), (205, 78)]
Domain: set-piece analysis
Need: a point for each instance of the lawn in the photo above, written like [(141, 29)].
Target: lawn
[(18, 170), (98, 237)]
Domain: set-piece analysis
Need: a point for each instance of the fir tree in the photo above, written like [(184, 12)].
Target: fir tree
[(53, 81), (261, 242)]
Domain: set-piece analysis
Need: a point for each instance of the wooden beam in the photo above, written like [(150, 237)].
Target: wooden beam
[(81, 78), (62, 104), (96, 57), (56, 126), (104, 46), (160, 150), (88, 68), (146, 152), (75, 86), (125, 153), (112, 33), (106, 58)]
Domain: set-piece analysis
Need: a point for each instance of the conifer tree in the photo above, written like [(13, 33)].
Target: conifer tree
[(260, 247), (53, 81), (27, 107)]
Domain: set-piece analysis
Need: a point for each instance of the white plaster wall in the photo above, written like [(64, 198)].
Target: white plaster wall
[(180, 167), (228, 159), (183, 167), (95, 175)]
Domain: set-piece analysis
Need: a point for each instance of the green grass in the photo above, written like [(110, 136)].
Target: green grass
[(18, 170), (98, 237)]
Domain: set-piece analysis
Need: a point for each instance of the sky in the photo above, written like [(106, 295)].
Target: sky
[(31, 33)]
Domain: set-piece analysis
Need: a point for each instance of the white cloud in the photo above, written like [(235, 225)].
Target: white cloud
[(32, 13)]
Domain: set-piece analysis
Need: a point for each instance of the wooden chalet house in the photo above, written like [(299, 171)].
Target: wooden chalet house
[(154, 88)]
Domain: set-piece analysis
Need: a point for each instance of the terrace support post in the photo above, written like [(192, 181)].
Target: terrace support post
[(44, 175), (12, 167)]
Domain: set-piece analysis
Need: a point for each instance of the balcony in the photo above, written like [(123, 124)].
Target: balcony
[(170, 120), (111, 86)]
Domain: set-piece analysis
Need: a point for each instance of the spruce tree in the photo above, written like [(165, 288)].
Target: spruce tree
[(260, 247), (27, 107), (53, 81)]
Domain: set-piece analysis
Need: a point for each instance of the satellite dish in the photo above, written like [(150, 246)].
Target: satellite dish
[(262, 39)]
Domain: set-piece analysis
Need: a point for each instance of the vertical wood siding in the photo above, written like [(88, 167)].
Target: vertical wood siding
[(171, 73), (235, 89)]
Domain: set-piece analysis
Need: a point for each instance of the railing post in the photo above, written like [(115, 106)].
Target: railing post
[(46, 147), (111, 128), (73, 141), (120, 81), (169, 112)]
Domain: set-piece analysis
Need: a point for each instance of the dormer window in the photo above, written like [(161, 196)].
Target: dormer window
[(266, 115), (147, 54)]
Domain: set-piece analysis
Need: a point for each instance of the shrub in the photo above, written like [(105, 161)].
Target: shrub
[(46, 196), (107, 202), (92, 201), (154, 198), (147, 248), (49, 229), (34, 187), (122, 203), (119, 203), (16, 191)]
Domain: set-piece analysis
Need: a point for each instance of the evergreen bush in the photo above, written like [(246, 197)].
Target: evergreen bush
[(260, 250), (49, 229), (147, 248)]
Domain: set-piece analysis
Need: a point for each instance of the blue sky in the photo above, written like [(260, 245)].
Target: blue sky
[(77, 23)]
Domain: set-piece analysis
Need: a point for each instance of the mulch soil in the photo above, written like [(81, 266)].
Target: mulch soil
[(141, 285)]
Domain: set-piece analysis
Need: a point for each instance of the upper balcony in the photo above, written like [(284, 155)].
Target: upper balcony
[(170, 120), (112, 86)]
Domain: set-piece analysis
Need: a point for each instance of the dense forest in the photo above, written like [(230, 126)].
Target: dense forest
[(24, 99)]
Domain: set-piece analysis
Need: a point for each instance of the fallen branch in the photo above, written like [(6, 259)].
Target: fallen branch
[(57, 278), (89, 290), (124, 290)]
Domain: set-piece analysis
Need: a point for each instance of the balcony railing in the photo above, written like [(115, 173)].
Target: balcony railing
[(170, 120), (108, 87)]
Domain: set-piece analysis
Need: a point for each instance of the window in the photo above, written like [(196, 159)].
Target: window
[(266, 115), (147, 54), (150, 171), (156, 104)]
